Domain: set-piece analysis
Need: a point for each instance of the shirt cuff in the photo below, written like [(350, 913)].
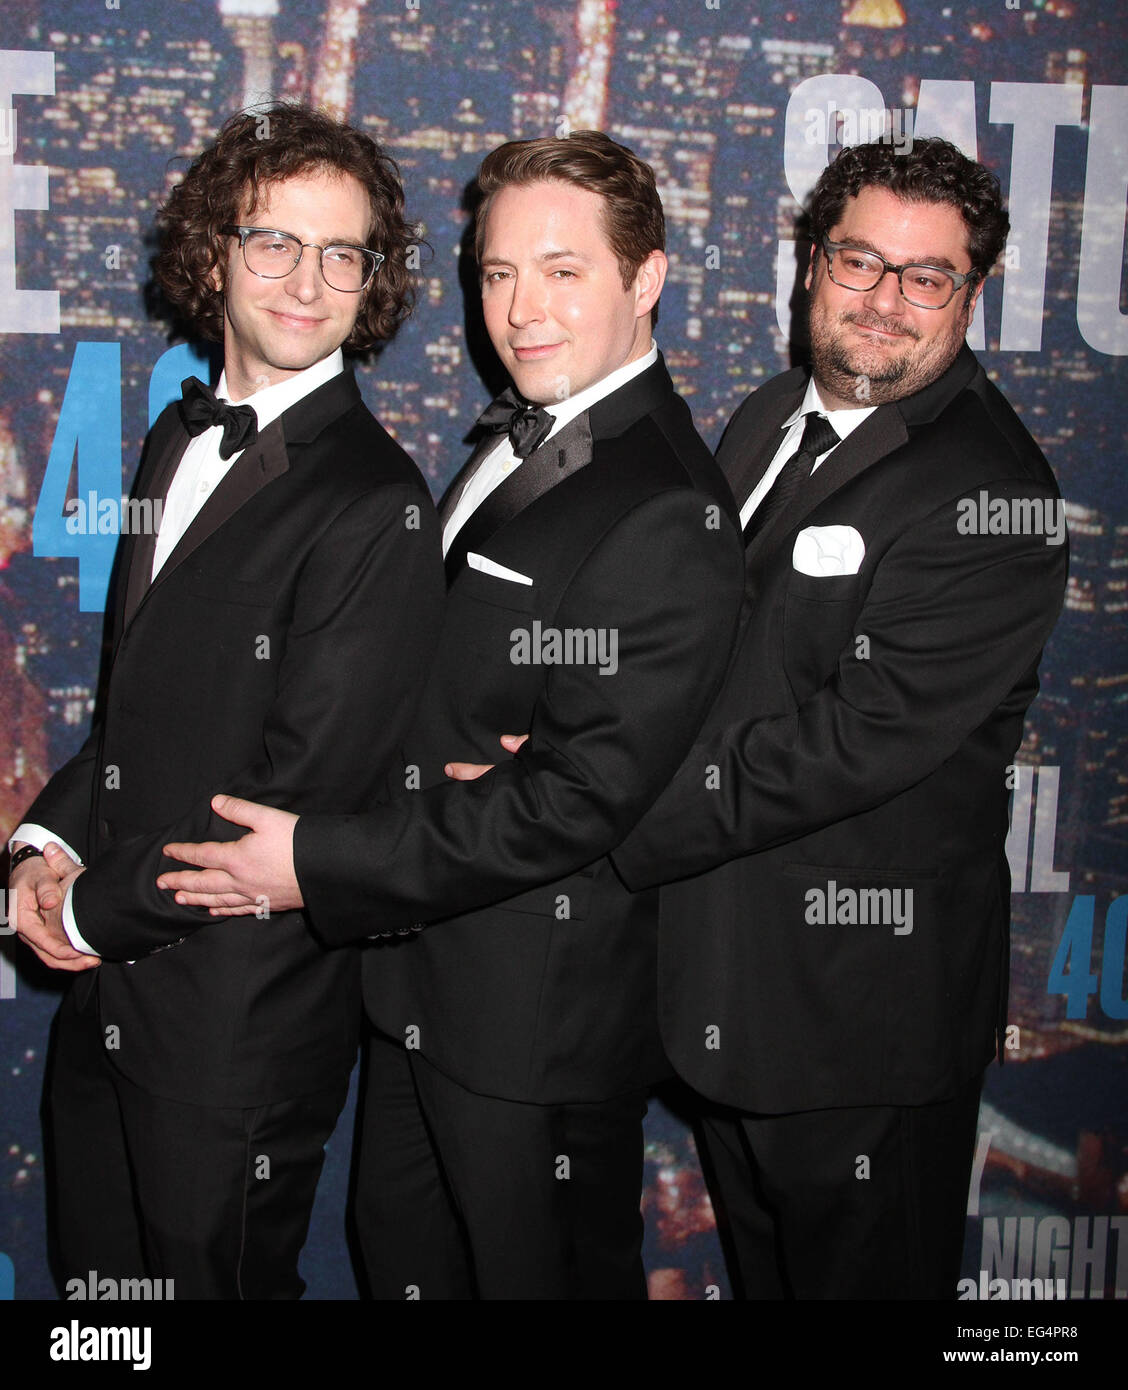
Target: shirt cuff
[(37, 835), (70, 926)]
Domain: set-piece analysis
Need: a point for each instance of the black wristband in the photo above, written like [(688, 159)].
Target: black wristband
[(24, 852)]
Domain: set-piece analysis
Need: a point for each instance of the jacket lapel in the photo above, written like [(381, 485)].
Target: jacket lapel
[(261, 463), (761, 437), (875, 438), (154, 483), (565, 453), (449, 500), (253, 469)]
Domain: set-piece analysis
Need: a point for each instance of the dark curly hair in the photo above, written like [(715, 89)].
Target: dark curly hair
[(253, 150), (633, 220), (932, 171)]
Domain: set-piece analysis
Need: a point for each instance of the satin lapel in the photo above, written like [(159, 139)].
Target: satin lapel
[(260, 464), (875, 437), (264, 461), (138, 559), (457, 487), (565, 453)]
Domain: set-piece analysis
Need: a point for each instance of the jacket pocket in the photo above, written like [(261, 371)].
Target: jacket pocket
[(499, 593)]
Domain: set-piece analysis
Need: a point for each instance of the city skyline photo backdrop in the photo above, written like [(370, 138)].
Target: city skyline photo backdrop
[(737, 106)]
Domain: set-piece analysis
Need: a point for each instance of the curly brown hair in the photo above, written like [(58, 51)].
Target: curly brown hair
[(932, 171), (633, 220), (253, 150)]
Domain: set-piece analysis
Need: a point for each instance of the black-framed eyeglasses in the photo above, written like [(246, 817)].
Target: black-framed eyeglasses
[(273, 255), (928, 286)]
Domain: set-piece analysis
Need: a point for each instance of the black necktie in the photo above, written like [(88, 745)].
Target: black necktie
[(818, 437), (200, 409), (527, 425)]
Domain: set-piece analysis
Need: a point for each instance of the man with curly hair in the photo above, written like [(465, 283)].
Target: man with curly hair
[(287, 609)]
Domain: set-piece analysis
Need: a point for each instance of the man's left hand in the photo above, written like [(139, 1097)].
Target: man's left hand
[(239, 877), (39, 924)]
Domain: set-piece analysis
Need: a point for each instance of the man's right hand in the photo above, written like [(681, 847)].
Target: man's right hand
[(470, 772), (35, 903)]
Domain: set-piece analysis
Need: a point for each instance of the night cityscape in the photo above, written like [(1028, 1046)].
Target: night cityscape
[(702, 95)]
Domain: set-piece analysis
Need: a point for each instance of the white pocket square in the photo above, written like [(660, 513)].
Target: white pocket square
[(823, 551), (488, 566)]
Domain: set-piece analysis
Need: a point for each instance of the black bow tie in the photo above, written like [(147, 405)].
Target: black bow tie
[(200, 410), (527, 425)]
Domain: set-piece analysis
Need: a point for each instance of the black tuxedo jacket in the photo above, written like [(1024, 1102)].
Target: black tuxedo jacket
[(277, 655), (869, 765), (540, 984)]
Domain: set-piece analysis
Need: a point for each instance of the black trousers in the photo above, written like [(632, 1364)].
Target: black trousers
[(462, 1196), (868, 1202), (217, 1200)]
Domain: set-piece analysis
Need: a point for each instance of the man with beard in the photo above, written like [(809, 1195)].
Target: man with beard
[(833, 942)]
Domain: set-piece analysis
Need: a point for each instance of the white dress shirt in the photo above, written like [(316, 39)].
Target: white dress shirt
[(843, 421), (201, 470), (502, 461), (198, 473)]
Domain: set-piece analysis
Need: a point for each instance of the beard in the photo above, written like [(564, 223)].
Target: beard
[(860, 374)]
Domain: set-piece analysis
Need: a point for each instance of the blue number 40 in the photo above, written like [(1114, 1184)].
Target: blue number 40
[(1076, 950)]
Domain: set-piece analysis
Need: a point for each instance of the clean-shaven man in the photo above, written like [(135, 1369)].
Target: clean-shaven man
[(595, 577), (273, 638), (834, 952)]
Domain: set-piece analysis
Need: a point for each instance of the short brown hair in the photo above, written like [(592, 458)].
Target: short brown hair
[(633, 219), (932, 171), (253, 150)]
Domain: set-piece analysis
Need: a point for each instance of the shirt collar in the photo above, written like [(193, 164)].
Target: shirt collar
[(844, 422), (271, 401), (566, 410)]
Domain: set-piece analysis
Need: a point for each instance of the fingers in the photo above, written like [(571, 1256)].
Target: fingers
[(25, 914), (47, 893), (34, 903), (50, 944), (240, 812), (247, 911), (74, 963), (469, 772), (197, 881), (34, 881), (225, 902), (466, 772), (58, 860), (211, 854)]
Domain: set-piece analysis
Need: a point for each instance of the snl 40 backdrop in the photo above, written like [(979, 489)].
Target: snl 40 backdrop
[(738, 107)]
